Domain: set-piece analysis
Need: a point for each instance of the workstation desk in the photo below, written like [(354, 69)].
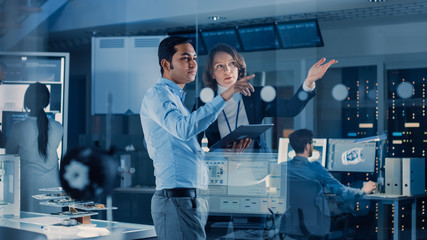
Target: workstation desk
[(37, 223), (397, 202)]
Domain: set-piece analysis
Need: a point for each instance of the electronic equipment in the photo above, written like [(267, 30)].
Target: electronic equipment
[(344, 155), (10, 185), (126, 170), (259, 37), (407, 135), (9, 118), (286, 152), (296, 34), (244, 183), (227, 36)]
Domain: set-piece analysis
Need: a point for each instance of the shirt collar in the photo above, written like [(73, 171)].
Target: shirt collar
[(299, 158), (177, 90), (221, 89)]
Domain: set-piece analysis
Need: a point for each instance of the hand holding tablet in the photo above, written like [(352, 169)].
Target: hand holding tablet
[(244, 131)]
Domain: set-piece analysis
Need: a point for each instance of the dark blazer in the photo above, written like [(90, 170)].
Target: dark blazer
[(257, 109)]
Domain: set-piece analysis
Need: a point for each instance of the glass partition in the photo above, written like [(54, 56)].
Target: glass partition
[(374, 94)]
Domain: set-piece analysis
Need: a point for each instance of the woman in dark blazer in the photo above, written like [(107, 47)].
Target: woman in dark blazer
[(223, 68)]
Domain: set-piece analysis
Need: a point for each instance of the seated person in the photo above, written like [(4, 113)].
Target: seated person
[(308, 214), (300, 168)]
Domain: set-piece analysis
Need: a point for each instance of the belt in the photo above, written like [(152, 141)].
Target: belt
[(178, 192)]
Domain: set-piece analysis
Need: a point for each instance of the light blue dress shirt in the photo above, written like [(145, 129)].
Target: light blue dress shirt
[(170, 131)]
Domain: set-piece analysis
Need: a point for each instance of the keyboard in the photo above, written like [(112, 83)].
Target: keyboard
[(238, 225), (385, 195)]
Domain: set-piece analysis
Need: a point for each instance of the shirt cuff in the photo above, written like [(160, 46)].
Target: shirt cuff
[(218, 102), (307, 88)]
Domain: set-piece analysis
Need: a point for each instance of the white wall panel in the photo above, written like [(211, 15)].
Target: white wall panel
[(124, 67)]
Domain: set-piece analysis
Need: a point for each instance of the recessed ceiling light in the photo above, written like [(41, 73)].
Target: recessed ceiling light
[(216, 18), (377, 0)]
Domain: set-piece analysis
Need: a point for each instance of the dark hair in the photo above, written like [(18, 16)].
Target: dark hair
[(36, 98), (167, 48), (208, 72), (299, 139)]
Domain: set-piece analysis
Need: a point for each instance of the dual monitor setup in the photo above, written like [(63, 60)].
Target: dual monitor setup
[(337, 155)]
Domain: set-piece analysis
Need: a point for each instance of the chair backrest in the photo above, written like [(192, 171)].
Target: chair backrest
[(308, 213), (19, 234)]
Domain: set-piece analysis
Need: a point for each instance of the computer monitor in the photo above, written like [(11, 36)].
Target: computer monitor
[(297, 34), (286, 152), (244, 184), (9, 118), (227, 36), (344, 155), (257, 38)]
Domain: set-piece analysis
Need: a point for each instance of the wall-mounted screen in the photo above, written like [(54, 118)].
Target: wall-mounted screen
[(299, 34), (256, 38), (346, 156), (196, 41), (227, 36), (27, 68)]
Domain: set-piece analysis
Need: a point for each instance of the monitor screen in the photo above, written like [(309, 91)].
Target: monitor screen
[(28, 68), (195, 41), (286, 152), (244, 183), (300, 34), (346, 156), (9, 118), (227, 36), (256, 38)]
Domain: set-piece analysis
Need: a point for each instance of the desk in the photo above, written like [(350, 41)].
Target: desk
[(397, 200), (128, 230)]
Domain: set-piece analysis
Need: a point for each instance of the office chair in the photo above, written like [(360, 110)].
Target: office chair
[(308, 215), (19, 234)]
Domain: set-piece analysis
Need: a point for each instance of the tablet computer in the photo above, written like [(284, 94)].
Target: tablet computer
[(243, 131)]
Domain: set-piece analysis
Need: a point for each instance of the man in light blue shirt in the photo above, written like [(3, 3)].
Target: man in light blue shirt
[(170, 131)]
